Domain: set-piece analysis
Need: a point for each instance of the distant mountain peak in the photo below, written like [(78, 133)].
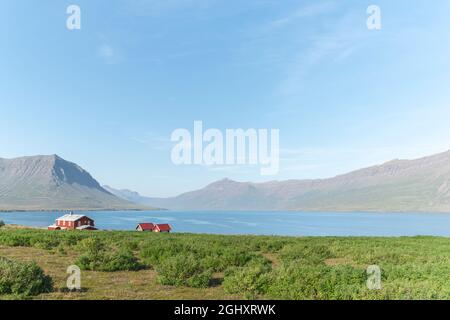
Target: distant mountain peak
[(48, 182), (223, 181)]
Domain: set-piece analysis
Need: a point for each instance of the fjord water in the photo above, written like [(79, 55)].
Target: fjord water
[(259, 223)]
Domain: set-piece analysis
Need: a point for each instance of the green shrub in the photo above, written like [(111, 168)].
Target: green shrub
[(221, 259), (305, 282), (305, 253), (94, 255), (154, 252), (23, 279), (213, 254), (14, 240), (123, 260), (99, 257), (2, 223), (92, 245), (45, 243), (272, 245), (249, 281), (183, 270)]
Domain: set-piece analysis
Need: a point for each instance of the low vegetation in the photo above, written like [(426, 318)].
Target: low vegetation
[(99, 256), (184, 270), (173, 266), (22, 279)]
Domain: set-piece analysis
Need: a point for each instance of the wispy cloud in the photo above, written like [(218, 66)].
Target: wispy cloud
[(293, 44), (309, 11), (338, 43)]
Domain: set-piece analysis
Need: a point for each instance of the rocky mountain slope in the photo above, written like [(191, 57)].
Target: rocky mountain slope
[(421, 185), (52, 183)]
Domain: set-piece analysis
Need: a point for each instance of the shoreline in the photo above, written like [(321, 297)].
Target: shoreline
[(23, 227)]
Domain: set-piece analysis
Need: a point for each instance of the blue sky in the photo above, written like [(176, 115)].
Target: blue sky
[(108, 96)]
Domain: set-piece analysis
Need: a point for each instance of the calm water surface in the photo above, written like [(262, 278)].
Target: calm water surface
[(262, 223)]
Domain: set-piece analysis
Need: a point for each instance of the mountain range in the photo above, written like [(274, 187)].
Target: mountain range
[(52, 183), (421, 185)]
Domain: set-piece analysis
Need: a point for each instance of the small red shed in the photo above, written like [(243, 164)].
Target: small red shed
[(162, 228), (145, 227)]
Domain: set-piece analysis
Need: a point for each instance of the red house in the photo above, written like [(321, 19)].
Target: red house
[(153, 227), (162, 228), (145, 227), (73, 222)]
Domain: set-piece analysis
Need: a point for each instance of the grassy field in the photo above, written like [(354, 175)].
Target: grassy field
[(131, 265)]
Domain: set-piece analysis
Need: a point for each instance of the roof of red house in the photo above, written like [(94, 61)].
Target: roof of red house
[(163, 227), (72, 217), (146, 226)]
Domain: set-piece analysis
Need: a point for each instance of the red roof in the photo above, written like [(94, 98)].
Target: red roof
[(146, 226), (163, 227)]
